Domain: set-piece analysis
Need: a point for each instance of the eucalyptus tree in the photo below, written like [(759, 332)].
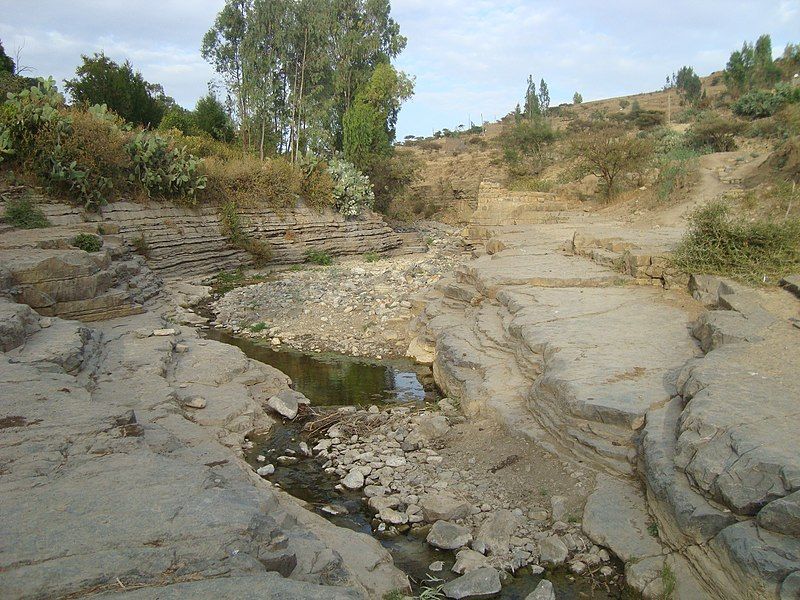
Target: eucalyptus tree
[(223, 47), (292, 68)]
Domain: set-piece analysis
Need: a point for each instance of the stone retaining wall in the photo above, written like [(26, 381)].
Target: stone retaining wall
[(500, 206)]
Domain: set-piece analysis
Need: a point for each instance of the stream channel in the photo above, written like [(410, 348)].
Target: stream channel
[(331, 380)]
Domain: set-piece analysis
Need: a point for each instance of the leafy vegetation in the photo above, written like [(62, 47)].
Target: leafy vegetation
[(319, 257), (609, 152), (371, 257), (758, 104), (714, 133), (234, 227), (99, 80), (677, 171), (524, 144), (751, 67), (293, 69), (164, 169), (23, 213), (352, 192), (753, 251), (87, 242)]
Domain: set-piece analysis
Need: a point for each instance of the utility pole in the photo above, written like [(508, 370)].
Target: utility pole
[(669, 108)]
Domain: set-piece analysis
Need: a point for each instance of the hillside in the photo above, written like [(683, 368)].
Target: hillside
[(452, 168)]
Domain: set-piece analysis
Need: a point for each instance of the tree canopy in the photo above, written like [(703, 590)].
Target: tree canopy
[(100, 80), (752, 67), (292, 68), (6, 62)]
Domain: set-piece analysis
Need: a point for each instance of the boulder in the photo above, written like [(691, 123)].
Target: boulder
[(543, 591), (496, 531), (393, 517), (559, 508), (481, 583), (443, 507), (448, 536), (266, 470), (782, 515), (432, 427), (354, 480), (553, 551), (468, 560), (284, 404)]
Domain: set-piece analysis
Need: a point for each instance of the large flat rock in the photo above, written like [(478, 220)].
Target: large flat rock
[(110, 482)]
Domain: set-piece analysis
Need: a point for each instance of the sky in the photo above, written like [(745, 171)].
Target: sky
[(470, 59)]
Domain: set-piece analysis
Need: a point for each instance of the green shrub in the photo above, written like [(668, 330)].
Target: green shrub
[(677, 170), (23, 213), (647, 119), (87, 242), (755, 252), (87, 157), (319, 257), (258, 327), (163, 169), (233, 226), (758, 104), (352, 191), (524, 145), (714, 133), (371, 257), (530, 184)]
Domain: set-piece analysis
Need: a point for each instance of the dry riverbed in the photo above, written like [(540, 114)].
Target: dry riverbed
[(353, 307)]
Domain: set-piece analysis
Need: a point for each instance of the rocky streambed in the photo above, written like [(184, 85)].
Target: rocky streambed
[(379, 452)]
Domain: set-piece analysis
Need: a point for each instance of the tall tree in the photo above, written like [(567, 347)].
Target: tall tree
[(100, 80), (688, 84), (6, 62), (751, 67), (531, 100), (223, 47), (544, 97), (211, 117), (369, 123), (292, 68)]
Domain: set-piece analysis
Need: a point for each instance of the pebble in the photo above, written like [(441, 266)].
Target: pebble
[(266, 470)]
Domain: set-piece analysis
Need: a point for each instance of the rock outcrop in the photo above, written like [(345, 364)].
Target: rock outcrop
[(113, 482), (181, 241), (693, 419)]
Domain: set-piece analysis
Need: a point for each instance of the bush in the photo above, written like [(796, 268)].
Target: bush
[(250, 181), (530, 184), (677, 170), (24, 214), (524, 145), (318, 257), (647, 119), (233, 227), (608, 152), (755, 252), (371, 257), (714, 133), (87, 157), (352, 192), (163, 169), (87, 242), (757, 104), (763, 103)]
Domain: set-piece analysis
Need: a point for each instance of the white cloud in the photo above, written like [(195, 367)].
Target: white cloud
[(469, 57)]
